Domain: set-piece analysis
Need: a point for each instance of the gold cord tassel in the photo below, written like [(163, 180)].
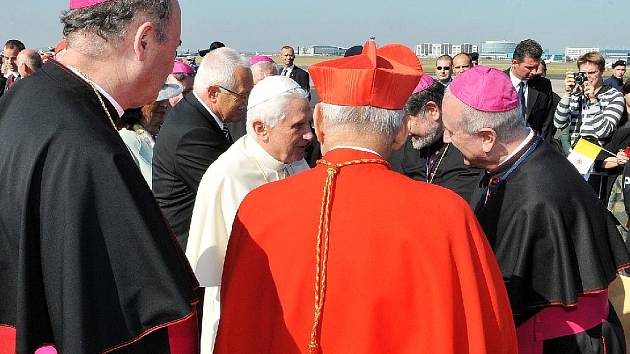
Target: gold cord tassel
[(320, 259), (321, 250)]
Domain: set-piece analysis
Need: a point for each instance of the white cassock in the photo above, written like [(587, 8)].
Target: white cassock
[(242, 168)]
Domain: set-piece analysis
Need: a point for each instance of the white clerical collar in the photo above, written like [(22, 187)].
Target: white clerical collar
[(359, 148), (109, 97), (261, 155), (529, 137), (515, 80), (219, 122), (266, 162)]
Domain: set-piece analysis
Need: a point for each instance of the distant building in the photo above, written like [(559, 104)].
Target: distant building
[(501, 50), (553, 58), (612, 55), (575, 53), (434, 50), (321, 50)]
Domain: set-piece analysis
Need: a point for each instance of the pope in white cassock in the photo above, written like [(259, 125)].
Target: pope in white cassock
[(278, 130)]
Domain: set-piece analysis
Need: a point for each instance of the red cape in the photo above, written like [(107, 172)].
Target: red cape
[(409, 269)]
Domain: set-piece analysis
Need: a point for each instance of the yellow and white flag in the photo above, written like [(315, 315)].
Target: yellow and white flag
[(583, 155)]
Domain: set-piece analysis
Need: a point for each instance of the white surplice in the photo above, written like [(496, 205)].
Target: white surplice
[(242, 168)]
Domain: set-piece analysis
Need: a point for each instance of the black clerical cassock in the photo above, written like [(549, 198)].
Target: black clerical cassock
[(554, 241), (87, 262)]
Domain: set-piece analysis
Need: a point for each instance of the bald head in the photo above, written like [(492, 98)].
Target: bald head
[(461, 63), (28, 62)]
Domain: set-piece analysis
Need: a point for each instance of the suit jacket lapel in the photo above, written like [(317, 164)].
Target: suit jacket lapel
[(532, 96), (192, 99)]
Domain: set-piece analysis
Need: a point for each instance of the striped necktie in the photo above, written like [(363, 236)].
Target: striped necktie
[(227, 134)]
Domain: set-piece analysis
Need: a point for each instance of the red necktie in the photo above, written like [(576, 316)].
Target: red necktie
[(10, 81)]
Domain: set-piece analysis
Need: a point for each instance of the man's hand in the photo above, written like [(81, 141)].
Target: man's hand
[(589, 91), (569, 83)]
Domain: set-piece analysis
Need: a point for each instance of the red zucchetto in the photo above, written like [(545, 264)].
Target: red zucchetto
[(383, 77)]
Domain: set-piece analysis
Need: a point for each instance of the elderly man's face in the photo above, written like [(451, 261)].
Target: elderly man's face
[(619, 71), (9, 58), (469, 145), (461, 63), (159, 57), (443, 69), (288, 56), (288, 139), (231, 104)]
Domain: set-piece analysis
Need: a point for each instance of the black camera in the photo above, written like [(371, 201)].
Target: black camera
[(580, 78)]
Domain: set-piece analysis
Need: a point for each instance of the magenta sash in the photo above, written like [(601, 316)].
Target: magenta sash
[(557, 321)]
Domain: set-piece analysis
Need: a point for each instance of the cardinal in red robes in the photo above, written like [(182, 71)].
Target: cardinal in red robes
[(351, 257)]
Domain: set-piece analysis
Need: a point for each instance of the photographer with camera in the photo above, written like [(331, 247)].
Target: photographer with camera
[(589, 108)]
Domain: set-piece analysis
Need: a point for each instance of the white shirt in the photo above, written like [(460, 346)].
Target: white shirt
[(287, 71), (216, 119), (242, 168), (515, 82)]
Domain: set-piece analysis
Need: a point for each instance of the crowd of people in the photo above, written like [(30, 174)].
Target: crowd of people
[(153, 205)]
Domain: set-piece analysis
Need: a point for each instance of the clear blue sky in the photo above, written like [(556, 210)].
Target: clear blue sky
[(266, 26)]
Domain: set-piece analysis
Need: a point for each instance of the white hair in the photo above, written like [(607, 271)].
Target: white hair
[(271, 112), (507, 125), (265, 66), (363, 119), (217, 68)]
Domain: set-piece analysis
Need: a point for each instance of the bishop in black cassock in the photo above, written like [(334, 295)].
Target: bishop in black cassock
[(87, 261), (557, 246)]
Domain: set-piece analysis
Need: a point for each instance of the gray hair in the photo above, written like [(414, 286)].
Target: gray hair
[(217, 68), (264, 66), (30, 58), (272, 111), (110, 20), (507, 125), (363, 119)]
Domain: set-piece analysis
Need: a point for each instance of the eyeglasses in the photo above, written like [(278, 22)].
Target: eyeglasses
[(242, 96), (443, 68)]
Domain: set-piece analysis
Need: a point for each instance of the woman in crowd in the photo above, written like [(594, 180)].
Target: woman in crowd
[(142, 125)]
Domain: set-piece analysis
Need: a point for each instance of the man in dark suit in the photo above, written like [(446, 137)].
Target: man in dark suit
[(535, 92), (10, 52), (195, 133), (297, 74)]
